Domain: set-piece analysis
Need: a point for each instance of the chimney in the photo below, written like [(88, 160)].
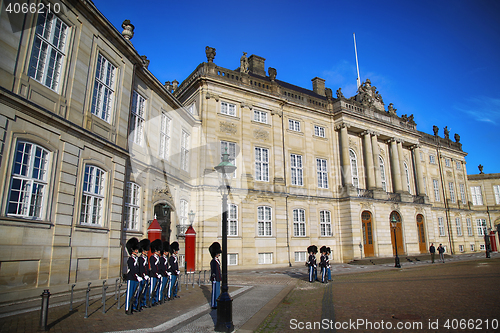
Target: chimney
[(319, 86), (256, 65)]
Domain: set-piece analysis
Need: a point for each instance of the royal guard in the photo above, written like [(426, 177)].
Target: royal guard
[(144, 272), (215, 273), (173, 269), (132, 275), (154, 273), (311, 263), (163, 271), (329, 268), (323, 264)]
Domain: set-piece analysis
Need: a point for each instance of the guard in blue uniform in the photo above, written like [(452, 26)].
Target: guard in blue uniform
[(215, 273), (323, 264), (328, 254), (132, 275), (154, 273), (144, 272), (311, 263), (163, 271), (173, 269)]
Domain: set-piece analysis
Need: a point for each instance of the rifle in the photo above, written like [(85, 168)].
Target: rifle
[(146, 283), (165, 290), (132, 300), (153, 293)]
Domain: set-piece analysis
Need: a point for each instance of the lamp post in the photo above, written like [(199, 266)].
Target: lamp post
[(191, 215), (394, 223), (224, 302)]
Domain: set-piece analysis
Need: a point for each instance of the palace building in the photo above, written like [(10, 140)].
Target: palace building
[(94, 148)]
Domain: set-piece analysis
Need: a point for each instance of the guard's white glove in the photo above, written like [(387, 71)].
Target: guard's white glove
[(146, 277), (178, 272), (168, 273), (139, 279), (158, 275)]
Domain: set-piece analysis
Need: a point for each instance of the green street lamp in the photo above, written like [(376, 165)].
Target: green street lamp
[(224, 303)]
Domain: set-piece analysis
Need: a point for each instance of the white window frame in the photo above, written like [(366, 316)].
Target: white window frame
[(165, 135), (297, 169), (261, 164), (322, 172), (300, 256), (447, 162), (451, 186), (183, 212), (232, 220), (477, 196), (299, 222), (382, 173), (260, 116), (481, 227), (29, 172), (48, 50), (294, 125), (470, 230), (472, 247), (407, 174), (458, 224), (94, 185), (421, 157), (103, 94), (462, 193), (231, 150), (264, 221), (435, 184), (441, 227), (325, 222), (461, 248), (496, 192), (185, 151), (354, 168), (228, 108), (425, 185), (137, 119), (459, 165), (265, 258), (232, 259), (432, 159), (482, 247), (132, 206), (319, 131)]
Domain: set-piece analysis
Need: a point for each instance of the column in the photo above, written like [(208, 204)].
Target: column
[(404, 186), (419, 171), (346, 161), (376, 163), (368, 157), (395, 167)]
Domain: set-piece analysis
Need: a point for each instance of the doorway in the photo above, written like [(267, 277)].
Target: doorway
[(396, 233), (421, 234), (162, 213), (366, 221)]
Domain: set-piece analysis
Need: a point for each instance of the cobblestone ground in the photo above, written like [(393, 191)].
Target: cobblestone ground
[(458, 297)]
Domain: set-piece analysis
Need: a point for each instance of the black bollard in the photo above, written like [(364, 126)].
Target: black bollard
[(103, 284), (116, 286), (104, 298), (71, 299), (45, 310), (87, 302), (118, 304)]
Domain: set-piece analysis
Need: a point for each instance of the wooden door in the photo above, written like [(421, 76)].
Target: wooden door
[(366, 220), (421, 234), (399, 235)]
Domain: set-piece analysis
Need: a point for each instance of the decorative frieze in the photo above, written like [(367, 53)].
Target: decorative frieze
[(260, 134), (212, 95), (227, 127)]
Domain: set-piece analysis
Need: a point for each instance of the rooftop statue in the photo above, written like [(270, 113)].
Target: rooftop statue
[(435, 129), (457, 138), (210, 52), (391, 109), (339, 93), (480, 167), (446, 133), (244, 63)]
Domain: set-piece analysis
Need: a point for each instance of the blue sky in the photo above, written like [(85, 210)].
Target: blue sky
[(437, 60)]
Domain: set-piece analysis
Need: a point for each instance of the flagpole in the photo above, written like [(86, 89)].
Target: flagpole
[(357, 65)]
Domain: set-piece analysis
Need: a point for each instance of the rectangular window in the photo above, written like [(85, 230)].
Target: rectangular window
[(29, 181), (137, 119), (265, 258), (477, 197), (48, 52), (102, 98), (496, 191), (469, 227), (232, 220), (230, 148), (300, 256), (441, 226), (228, 108), (325, 223), (452, 193), (473, 247), (458, 224), (260, 116), (425, 186), (232, 259), (319, 131), (299, 223), (185, 151), (93, 196), (164, 135), (447, 162), (461, 248), (462, 193), (132, 206), (297, 171), (264, 221), (481, 227), (294, 125), (432, 159), (435, 183), (482, 247), (183, 212), (421, 157), (322, 173), (459, 165), (262, 164)]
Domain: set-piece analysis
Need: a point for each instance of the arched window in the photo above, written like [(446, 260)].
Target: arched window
[(407, 174), (354, 168), (382, 173)]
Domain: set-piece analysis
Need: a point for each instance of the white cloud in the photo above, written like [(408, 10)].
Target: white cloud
[(484, 109)]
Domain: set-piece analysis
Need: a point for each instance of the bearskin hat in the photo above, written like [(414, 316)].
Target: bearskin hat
[(215, 249), (174, 247), (156, 245), (328, 250), (144, 245), (313, 249), (132, 245), (165, 248), (322, 249)]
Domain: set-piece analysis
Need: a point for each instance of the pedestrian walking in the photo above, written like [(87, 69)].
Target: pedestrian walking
[(441, 252), (132, 274), (311, 263), (215, 273), (432, 250)]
